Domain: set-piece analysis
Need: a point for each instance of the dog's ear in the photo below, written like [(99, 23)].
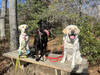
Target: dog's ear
[(78, 30), (26, 26), (19, 27), (65, 31)]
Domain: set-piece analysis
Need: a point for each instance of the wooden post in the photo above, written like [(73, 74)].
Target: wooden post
[(65, 73), (13, 25), (56, 72), (37, 72), (62, 72)]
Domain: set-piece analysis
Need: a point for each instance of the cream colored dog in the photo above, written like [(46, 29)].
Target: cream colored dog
[(71, 45), (23, 40)]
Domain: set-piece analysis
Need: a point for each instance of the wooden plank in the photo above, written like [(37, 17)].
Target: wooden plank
[(55, 65), (65, 73), (56, 72), (64, 67), (62, 72)]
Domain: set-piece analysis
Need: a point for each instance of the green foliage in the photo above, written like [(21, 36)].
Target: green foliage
[(90, 46), (96, 29), (31, 13)]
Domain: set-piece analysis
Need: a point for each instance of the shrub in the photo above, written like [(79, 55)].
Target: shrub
[(31, 13), (96, 29), (90, 46)]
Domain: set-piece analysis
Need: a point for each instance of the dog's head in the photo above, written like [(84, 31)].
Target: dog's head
[(72, 31), (23, 28)]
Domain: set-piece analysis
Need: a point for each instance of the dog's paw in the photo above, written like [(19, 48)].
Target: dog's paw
[(27, 52), (69, 58), (79, 61), (44, 58), (62, 61), (72, 66), (38, 59)]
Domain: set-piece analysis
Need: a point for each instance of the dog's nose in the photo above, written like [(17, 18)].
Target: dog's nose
[(72, 31), (26, 29)]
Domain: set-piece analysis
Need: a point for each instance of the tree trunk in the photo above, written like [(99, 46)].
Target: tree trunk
[(2, 19), (80, 8), (98, 10), (13, 25)]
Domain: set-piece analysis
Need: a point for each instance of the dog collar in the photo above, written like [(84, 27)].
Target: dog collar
[(47, 32), (24, 36), (39, 31)]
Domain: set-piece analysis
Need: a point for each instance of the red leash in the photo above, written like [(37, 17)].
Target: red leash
[(56, 58)]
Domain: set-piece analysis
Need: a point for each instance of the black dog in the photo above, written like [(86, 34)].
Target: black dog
[(40, 43), (41, 40)]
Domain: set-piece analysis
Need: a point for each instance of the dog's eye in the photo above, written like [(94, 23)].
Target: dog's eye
[(75, 28), (69, 28)]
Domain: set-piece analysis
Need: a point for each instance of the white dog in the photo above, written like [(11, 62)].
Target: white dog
[(71, 45), (23, 40)]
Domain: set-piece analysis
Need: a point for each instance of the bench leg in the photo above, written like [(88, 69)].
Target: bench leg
[(56, 72), (65, 73), (13, 61)]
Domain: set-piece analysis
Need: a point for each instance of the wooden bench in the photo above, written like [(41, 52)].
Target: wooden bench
[(63, 67)]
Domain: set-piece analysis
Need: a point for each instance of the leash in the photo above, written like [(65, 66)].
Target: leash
[(53, 58), (17, 63), (57, 58), (18, 58)]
